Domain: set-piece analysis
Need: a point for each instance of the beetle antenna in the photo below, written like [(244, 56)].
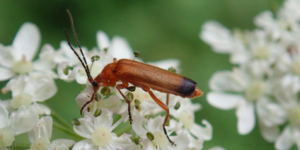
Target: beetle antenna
[(77, 41), (86, 69)]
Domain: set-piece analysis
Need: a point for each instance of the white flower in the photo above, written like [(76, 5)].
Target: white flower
[(118, 48), (270, 115), (40, 136), (220, 38), (97, 131), (19, 122), (113, 102), (36, 87), (18, 58), (246, 91), (142, 126), (289, 100)]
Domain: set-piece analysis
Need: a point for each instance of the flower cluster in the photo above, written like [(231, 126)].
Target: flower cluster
[(105, 122), (100, 128), (265, 82), (30, 83)]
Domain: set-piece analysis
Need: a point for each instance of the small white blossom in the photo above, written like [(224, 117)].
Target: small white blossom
[(98, 133), (17, 123), (40, 136), (18, 58), (142, 126)]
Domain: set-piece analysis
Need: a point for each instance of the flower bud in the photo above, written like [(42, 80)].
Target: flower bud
[(150, 136), (105, 49), (97, 97), (131, 88), (95, 58), (76, 122), (129, 96), (177, 106), (136, 54), (148, 116), (137, 104), (97, 112), (172, 69), (136, 140), (66, 71), (105, 91)]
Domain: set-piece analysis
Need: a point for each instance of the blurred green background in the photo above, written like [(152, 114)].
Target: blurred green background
[(159, 30)]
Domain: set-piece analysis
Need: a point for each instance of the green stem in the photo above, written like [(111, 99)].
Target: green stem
[(66, 130), (122, 130), (19, 147), (60, 119)]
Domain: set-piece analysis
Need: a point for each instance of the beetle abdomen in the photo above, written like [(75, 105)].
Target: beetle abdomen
[(144, 75)]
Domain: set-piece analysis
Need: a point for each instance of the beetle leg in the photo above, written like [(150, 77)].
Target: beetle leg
[(165, 107), (123, 86), (167, 103), (92, 98)]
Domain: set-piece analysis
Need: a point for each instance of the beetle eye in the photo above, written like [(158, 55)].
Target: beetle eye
[(95, 84)]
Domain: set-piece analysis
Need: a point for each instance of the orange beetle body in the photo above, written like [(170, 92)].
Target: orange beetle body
[(147, 76), (140, 75)]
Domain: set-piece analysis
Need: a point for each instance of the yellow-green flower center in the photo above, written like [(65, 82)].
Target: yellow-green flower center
[(22, 99), (187, 119), (255, 90), (262, 53), (296, 67), (101, 136), (22, 66), (161, 139), (6, 137), (294, 115), (40, 144)]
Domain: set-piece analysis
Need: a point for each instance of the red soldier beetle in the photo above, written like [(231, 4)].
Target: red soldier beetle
[(139, 75)]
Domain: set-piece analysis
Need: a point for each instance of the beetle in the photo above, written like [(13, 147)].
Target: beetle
[(140, 75)]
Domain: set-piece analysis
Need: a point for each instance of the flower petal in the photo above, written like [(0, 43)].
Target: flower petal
[(285, 141), (23, 120), (40, 86), (270, 134), (26, 41), (6, 57), (223, 100), (61, 144), (39, 109), (120, 48), (181, 140), (217, 148), (217, 36), (122, 143), (226, 81), (43, 129), (203, 132), (166, 64), (3, 117), (5, 74), (138, 125), (86, 127), (155, 124), (246, 118), (102, 40), (104, 120), (86, 144), (46, 59)]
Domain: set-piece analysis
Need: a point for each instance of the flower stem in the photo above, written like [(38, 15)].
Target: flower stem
[(125, 128), (60, 119), (66, 130), (18, 147)]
